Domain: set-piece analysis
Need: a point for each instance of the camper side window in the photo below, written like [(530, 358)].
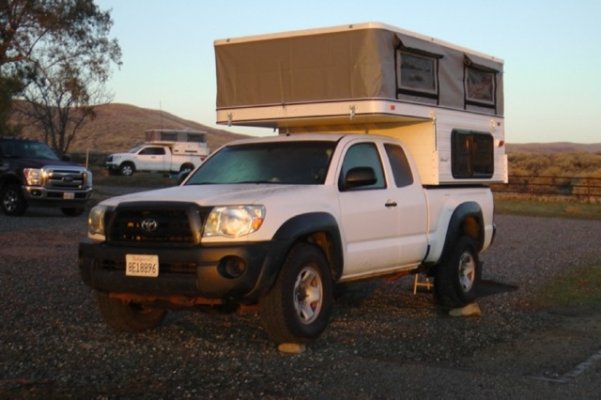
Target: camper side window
[(417, 73), (479, 86), (472, 154)]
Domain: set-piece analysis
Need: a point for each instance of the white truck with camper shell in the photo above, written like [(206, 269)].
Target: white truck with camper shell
[(387, 143), (165, 150)]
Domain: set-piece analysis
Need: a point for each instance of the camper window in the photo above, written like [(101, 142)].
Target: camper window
[(472, 154), (479, 86), (417, 73)]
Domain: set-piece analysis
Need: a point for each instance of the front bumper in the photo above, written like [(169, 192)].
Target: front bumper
[(192, 271), (56, 197)]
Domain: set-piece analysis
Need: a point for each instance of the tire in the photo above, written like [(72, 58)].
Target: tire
[(72, 211), (457, 277), (186, 168), (12, 200), (298, 307), (128, 317), (127, 169)]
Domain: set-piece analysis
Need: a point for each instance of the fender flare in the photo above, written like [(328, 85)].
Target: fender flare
[(455, 228), (302, 227)]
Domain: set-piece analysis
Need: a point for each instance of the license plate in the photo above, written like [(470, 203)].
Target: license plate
[(68, 196), (145, 265)]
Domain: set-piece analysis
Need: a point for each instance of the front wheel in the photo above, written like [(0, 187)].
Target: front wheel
[(458, 275), (298, 307), (127, 169), (12, 200), (128, 316)]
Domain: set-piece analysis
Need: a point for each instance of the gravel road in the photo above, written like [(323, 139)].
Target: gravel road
[(383, 342)]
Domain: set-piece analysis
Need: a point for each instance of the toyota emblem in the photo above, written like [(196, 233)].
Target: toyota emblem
[(149, 225)]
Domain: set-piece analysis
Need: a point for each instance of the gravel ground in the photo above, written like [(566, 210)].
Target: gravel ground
[(383, 341)]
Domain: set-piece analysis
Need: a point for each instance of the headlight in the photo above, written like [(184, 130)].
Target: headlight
[(96, 223), (33, 176), (234, 221)]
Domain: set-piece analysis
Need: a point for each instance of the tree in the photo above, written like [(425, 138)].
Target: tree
[(61, 53)]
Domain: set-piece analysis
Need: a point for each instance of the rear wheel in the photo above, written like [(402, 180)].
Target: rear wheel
[(456, 278), (298, 307), (128, 316), (13, 202), (186, 168)]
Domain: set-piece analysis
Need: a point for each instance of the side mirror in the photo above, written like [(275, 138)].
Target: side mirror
[(359, 176)]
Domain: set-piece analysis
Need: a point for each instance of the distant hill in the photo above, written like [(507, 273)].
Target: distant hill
[(118, 127), (553, 148)]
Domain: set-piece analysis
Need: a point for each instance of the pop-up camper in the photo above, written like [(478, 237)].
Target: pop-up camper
[(444, 102)]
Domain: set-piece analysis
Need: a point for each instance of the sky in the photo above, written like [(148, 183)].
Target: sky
[(551, 50)]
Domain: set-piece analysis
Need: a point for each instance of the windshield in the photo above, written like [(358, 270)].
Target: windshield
[(135, 148), (27, 149), (295, 163)]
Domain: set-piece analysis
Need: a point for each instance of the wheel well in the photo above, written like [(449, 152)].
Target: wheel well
[(471, 227), (9, 180), (319, 229), (326, 244)]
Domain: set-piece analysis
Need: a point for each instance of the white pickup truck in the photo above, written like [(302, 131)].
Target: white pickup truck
[(381, 167), (278, 222), (157, 157)]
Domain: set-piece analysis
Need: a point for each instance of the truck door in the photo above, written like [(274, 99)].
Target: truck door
[(151, 158), (411, 206), (370, 223)]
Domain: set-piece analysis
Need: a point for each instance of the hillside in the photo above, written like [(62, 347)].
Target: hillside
[(117, 127), (553, 148)]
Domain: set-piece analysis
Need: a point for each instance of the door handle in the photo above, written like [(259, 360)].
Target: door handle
[(390, 203)]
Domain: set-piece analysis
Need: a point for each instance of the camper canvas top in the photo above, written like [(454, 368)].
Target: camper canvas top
[(444, 102), (369, 73)]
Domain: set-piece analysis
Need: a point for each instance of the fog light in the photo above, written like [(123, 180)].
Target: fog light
[(231, 267), (36, 193)]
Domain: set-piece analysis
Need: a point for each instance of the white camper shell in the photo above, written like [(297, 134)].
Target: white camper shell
[(444, 102), (181, 142)]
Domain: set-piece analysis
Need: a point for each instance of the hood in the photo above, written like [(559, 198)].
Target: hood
[(114, 155), (211, 195), (20, 163)]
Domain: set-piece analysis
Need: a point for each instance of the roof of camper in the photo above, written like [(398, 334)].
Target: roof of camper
[(349, 27)]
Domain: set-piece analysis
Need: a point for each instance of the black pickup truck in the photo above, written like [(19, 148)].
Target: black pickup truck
[(32, 174)]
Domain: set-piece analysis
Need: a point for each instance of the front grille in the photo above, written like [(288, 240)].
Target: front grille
[(61, 179), (161, 223)]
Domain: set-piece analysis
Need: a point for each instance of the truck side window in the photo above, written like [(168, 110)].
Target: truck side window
[(363, 155), (152, 151), (399, 164)]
